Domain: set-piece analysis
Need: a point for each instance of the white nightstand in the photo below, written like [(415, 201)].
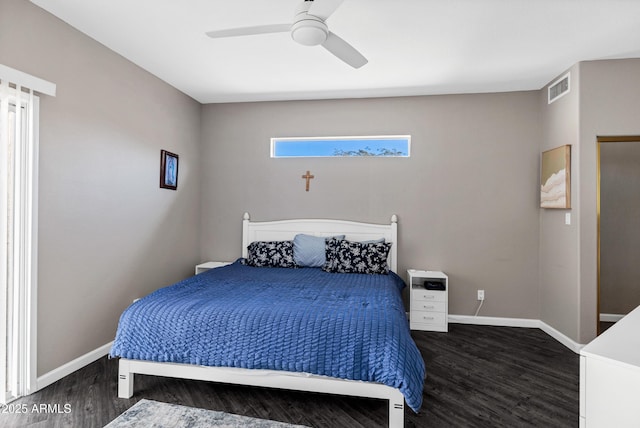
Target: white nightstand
[(429, 307), (202, 267)]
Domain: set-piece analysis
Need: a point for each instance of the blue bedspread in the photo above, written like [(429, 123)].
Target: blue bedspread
[(349, 326)]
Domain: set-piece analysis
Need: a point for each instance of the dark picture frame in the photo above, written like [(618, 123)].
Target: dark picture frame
[(169, 170)]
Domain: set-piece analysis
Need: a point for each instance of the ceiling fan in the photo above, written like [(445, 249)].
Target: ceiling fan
[(308, 28)]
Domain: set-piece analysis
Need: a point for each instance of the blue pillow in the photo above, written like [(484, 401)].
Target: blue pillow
[(309, 251)]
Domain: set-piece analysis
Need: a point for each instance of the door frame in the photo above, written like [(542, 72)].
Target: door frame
[(604, 140)]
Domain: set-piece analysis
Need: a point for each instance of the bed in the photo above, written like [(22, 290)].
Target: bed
[(266, 322)]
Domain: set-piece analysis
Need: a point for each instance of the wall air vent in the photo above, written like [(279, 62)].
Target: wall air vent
[(559, 88)]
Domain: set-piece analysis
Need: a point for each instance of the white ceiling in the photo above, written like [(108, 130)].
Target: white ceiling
[(414, 47)]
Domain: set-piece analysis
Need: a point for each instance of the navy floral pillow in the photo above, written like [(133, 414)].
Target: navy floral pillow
[(356, 257), (271, 254)]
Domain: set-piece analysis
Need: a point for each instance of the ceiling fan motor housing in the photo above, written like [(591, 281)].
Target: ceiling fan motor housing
[(307, 29), (309, 32)]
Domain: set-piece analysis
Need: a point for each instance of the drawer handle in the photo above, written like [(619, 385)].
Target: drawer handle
[(426, 296), (428, 318), (428, 307)]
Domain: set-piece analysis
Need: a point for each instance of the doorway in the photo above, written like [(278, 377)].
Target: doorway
[(618, 214)]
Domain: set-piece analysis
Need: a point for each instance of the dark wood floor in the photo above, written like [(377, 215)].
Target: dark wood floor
[(478, 376), (604, 325)]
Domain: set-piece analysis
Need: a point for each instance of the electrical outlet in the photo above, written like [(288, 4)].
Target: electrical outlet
[(480, 294)]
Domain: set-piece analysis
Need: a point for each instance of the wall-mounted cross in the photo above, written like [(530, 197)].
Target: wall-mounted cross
[(308, 177)]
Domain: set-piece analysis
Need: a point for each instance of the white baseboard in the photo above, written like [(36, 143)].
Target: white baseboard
[(611, 317), (70, 367), (518, 322), (561, 337), (496, 321)]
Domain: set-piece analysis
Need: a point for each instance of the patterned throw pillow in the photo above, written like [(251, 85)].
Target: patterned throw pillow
[(356, 257), (271, 254)]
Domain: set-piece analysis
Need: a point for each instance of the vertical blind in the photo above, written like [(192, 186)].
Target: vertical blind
[(18, 199)]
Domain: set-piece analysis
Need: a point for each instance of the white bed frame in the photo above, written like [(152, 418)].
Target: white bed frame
[(282, 230), (272, 231)]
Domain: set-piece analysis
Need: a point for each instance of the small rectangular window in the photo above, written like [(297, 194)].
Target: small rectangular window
[(378, 146)]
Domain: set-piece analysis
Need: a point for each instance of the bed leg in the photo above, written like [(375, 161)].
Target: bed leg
[(396, 413), (125, 380)]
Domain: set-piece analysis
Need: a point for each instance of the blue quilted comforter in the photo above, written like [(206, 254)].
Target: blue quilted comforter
[(349, 326)]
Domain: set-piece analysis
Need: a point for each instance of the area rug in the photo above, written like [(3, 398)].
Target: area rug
[(154, 414)]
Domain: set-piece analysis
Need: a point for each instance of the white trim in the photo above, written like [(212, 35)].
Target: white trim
[(495, 321), (26, 80), (519, 322), (561, 337), (70, 367), (611, 317)]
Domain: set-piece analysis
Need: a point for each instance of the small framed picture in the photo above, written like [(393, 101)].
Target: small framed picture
[(168, 170), (555, 185)]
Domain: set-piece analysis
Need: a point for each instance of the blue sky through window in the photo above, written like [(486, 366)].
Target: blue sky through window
[(396, 146)]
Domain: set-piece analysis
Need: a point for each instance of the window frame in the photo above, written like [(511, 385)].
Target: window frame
[(346, 139)]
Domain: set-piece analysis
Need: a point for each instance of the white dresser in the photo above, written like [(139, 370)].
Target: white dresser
[(610, 376)]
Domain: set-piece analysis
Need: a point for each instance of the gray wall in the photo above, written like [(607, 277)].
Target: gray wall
[(609, 106), (107, 233), (558, 241), (466, 198), (619, 231), (604, 101)]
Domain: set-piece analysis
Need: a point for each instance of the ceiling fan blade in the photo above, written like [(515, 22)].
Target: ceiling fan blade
[(344, 51), (249, 31), (324, 8)]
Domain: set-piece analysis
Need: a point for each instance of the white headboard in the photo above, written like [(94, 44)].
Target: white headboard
[(282, 230)]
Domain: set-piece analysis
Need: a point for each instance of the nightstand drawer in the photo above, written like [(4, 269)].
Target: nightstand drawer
[(428, 306), (429, 295), (427, 318)]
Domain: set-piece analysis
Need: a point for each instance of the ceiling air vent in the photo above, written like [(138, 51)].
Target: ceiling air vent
[(559, 88)]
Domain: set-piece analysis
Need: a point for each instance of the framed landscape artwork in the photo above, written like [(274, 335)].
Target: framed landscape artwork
[(168, 170), (555, 178)]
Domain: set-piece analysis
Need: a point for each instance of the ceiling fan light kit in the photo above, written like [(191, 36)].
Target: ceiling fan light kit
[(308, 29), (309, 32)]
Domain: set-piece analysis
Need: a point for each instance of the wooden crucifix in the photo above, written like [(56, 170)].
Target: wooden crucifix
[(308, 177)]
